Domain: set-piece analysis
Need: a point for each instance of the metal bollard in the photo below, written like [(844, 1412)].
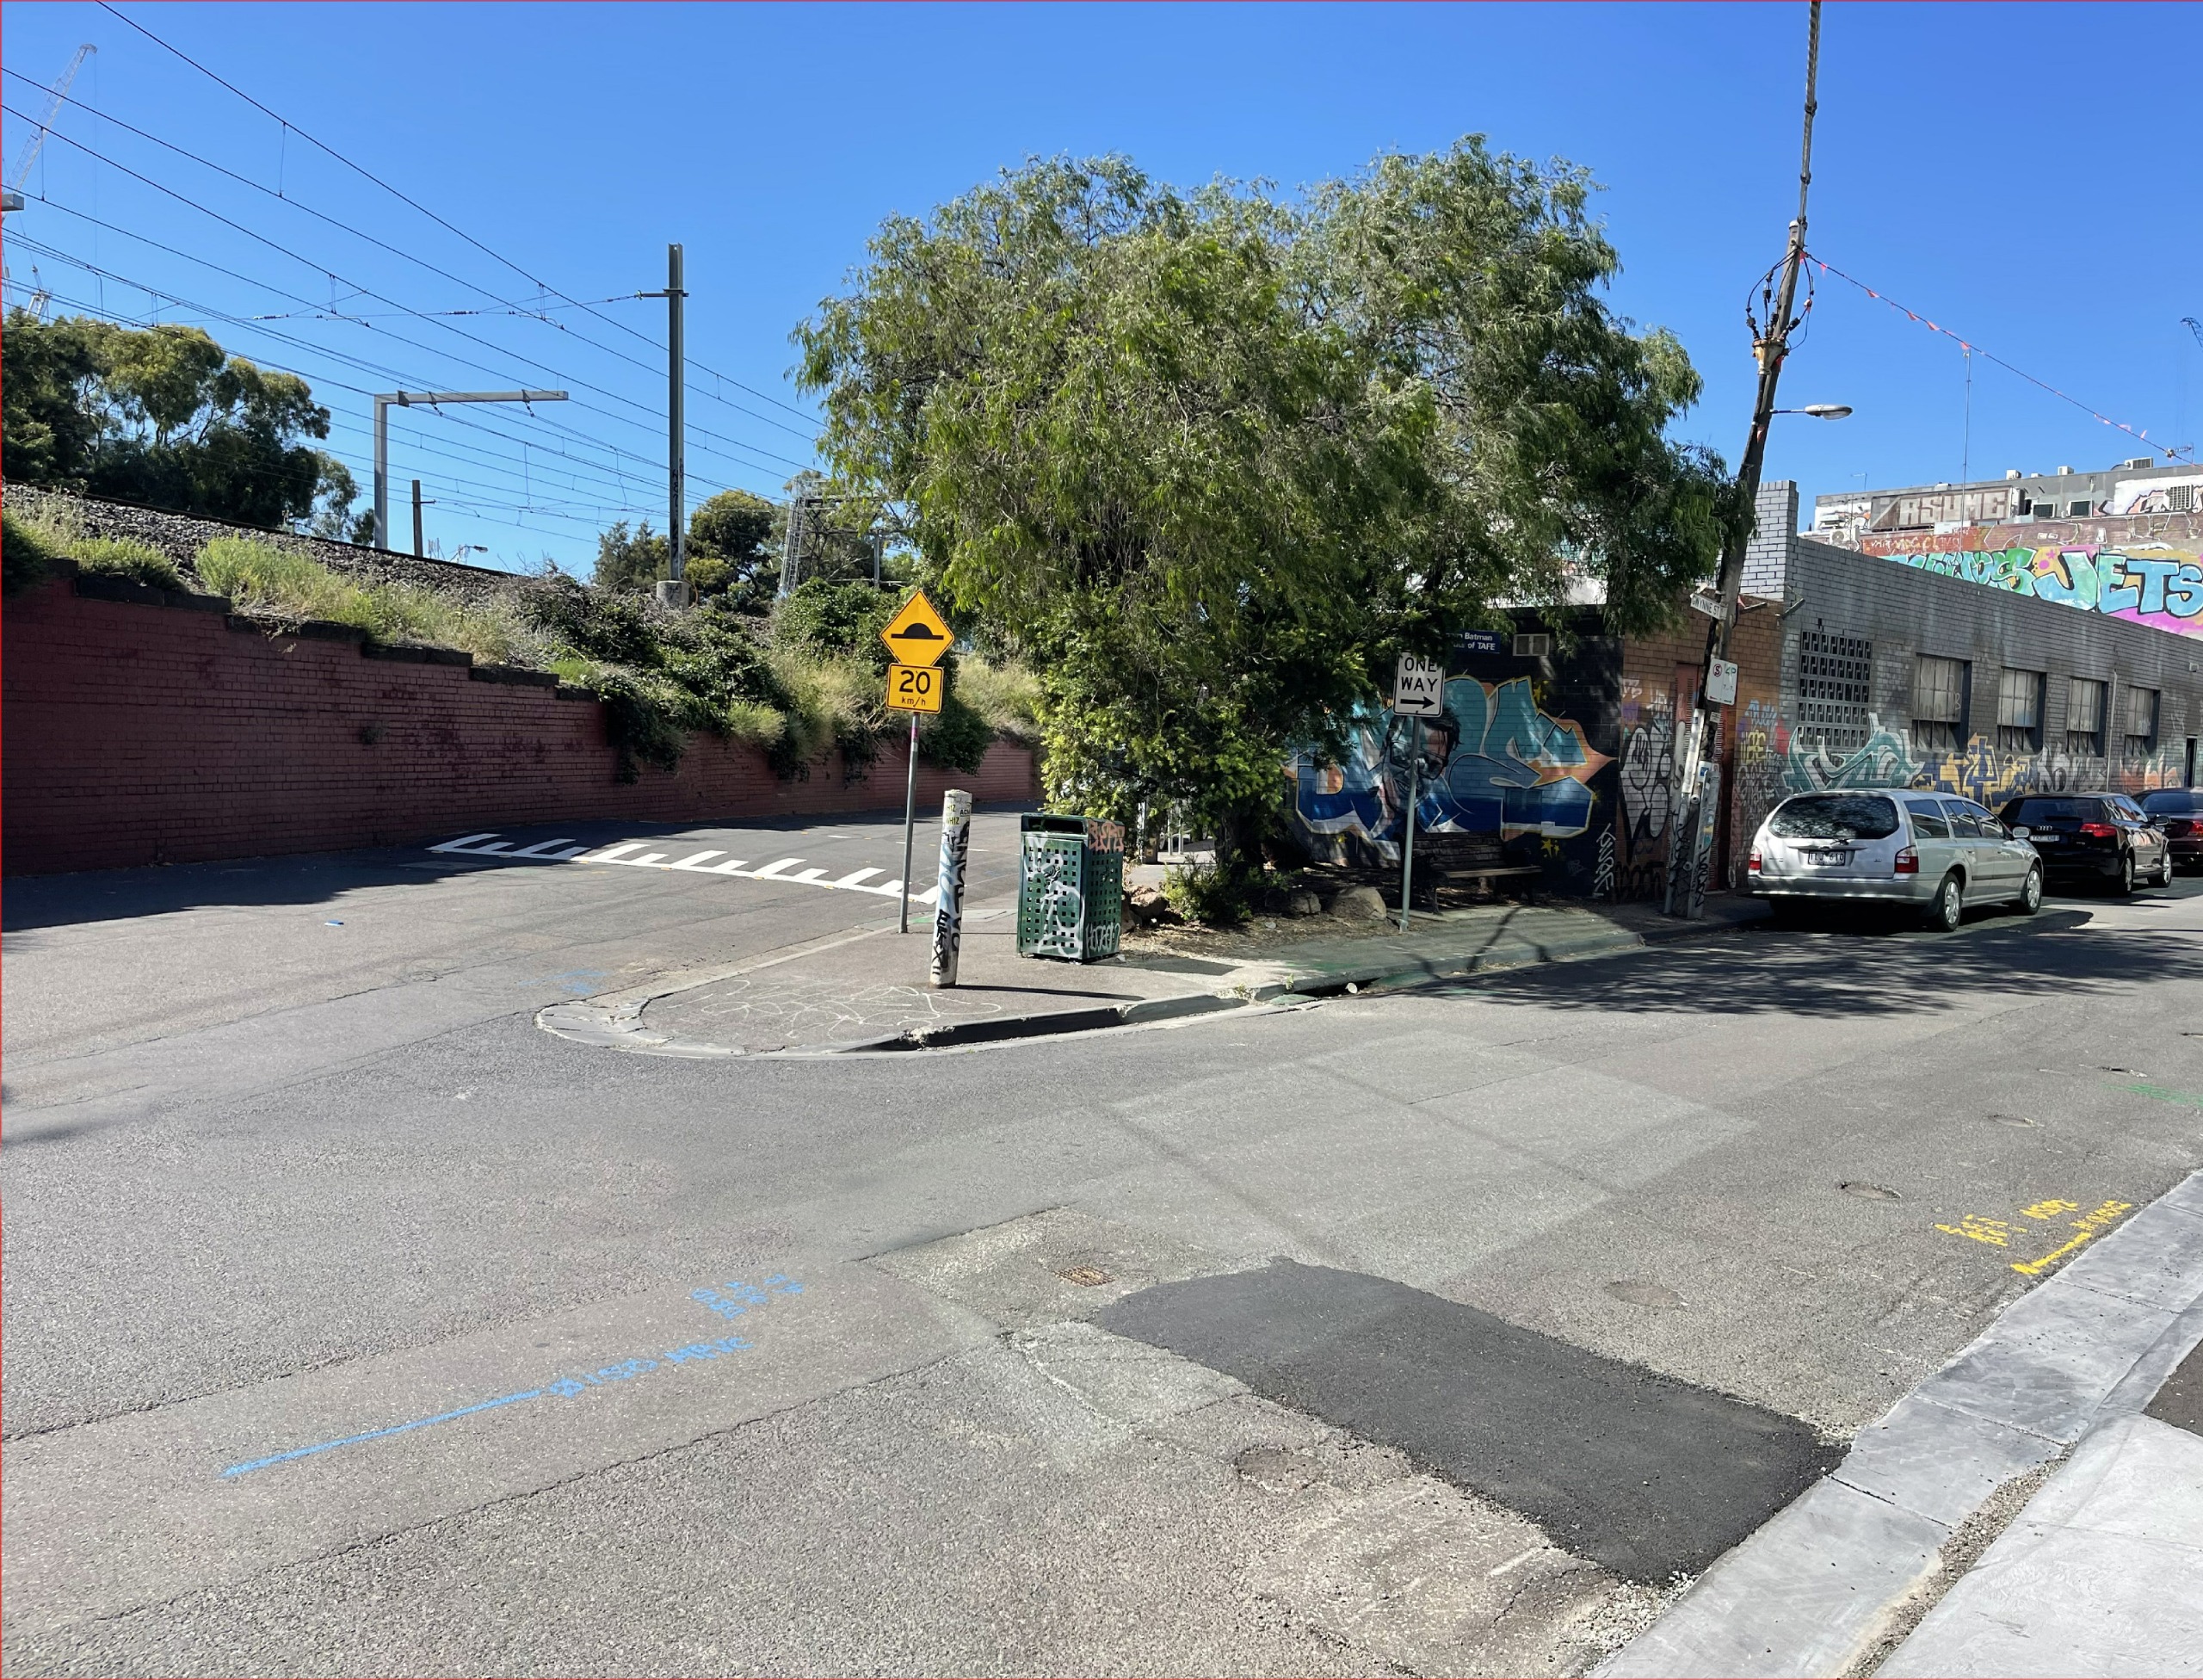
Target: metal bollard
[(948, 914)]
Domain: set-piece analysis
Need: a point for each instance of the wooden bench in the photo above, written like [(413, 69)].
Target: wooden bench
[(1447, 858)]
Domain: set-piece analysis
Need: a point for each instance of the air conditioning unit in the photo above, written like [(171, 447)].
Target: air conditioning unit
[(1532, 646)]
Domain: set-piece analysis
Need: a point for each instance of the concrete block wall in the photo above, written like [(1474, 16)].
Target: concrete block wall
[(1901, 612), (1773, 539), (139, 734)]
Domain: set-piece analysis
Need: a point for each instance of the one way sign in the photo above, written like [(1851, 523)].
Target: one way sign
[(1419, 689)]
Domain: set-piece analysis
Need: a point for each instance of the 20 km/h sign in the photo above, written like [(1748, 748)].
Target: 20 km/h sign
[(918, 636), (914, 688), (1419, 689)]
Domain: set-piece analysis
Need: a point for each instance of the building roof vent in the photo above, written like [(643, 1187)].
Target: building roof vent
[(2063, 470), (1942, 484), (2011, 472), (2139, 460)]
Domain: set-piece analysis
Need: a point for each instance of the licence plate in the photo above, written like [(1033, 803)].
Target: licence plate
[(1828, 859)]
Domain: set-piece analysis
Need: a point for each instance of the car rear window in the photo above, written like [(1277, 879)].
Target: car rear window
[(2171, 802), (2054, 811), (1834, 816)]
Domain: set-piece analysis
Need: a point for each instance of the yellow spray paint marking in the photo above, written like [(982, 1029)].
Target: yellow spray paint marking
[(1998, 1234)]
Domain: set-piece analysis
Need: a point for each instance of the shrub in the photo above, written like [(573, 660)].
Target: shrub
[(1207, 896), (29, 549), (832, 702), (957, 737), (754, 724), (598, 623), (835, 618), (119, 557)]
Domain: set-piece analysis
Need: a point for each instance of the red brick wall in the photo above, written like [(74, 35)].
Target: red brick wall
[(150, 734)]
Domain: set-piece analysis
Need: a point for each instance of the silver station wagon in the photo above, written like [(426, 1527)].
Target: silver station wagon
[(1930, 851)]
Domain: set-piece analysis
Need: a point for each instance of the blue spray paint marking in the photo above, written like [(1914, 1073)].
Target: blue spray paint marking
[(739, 1299)]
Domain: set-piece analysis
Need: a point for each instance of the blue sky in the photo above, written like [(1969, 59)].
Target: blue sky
[(2025, 174)]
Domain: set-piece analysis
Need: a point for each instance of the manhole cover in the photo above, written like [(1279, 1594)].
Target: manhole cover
[(1644, 1294), (1870, 1192), (1086, 1277)]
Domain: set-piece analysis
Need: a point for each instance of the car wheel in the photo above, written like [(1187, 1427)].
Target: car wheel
[(2164, 868), (2031, 892), (1947, 908), (2125, 882)]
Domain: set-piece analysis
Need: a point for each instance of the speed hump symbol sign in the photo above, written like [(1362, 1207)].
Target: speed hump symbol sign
[(914, 688), (918, 636)]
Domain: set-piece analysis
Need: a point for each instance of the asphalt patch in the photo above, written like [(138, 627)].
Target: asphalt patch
[(2181, 1400), (1643, 1474)]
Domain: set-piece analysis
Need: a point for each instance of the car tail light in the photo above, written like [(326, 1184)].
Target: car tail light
[(1754, 865), (2099, 831), (1908, 862), (2180, 825)]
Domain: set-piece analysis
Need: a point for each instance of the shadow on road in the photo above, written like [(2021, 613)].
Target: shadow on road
[(1763, 971)]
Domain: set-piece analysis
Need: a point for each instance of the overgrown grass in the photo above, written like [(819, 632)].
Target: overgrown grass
[(262, 578), (1006, 695), (28, 550)]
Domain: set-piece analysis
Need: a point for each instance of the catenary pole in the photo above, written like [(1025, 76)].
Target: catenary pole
[(1771, 347)]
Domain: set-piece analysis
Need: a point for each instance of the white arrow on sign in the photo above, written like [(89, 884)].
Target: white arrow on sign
[(1419, 689)]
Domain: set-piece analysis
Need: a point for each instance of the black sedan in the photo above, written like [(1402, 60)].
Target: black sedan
[(2179, 813), (2102, 838)]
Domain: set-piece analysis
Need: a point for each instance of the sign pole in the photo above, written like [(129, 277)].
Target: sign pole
[(909, 817), (1415, 793)]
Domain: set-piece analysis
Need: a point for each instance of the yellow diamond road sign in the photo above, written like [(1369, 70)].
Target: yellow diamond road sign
[(917, 635)]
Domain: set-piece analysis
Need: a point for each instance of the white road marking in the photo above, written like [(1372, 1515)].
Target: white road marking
[(858, 880)]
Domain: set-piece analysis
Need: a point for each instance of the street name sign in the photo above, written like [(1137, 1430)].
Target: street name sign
[(915, 688), (918, 636), (1419, 689)]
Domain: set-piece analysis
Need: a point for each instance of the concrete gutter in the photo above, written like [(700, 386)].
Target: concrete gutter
[(1840, 1571)]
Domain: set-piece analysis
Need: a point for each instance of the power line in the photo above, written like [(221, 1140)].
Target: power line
[(291, 127), (1975, 349), (476, 338)]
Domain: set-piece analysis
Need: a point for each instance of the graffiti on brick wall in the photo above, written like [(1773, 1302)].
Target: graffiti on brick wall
[(1495, 762), (1980, 770), (2151, 583), (1648, 748)]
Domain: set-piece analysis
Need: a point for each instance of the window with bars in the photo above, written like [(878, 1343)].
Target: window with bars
[(1835, 677), (2019, 711), (1938, 703), (2140, 736), (2085, 716)]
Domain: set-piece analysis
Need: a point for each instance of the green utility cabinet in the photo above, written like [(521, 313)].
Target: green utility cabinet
[(1071, 888)]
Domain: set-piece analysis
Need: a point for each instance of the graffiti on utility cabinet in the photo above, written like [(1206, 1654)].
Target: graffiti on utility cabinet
[(1495, 763)]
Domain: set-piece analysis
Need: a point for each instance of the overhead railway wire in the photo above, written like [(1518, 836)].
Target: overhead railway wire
[(446, 325), (542, 286), (614, 475)]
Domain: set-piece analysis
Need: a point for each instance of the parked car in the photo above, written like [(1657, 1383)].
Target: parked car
[(2179, 813), (1929, 852), (2098, 838)]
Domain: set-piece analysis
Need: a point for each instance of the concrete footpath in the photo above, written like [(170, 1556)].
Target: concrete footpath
[(867, 988), (2034, 1508)]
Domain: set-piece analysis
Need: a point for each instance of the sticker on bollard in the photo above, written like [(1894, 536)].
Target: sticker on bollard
[(955, 851)]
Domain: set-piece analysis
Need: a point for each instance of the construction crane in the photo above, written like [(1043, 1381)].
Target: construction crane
[(12, 199)]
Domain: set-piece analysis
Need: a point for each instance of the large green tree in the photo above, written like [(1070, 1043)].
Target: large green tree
[(163, 417), (1209, 460)]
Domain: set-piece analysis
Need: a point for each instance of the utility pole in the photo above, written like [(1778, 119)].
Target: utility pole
[(677, 489), (1770, 345), (417, 551), (427, 399)]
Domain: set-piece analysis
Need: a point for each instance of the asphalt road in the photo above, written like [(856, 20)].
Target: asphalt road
[(354, 1324)]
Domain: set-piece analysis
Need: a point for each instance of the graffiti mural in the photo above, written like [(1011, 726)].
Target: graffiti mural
[(1495, 762), (2143, 583)]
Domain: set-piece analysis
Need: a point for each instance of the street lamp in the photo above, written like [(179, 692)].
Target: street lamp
[(1820, 411)]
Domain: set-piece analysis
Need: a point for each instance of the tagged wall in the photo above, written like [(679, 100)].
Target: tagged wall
[(1515, 756), (2157, 584)]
